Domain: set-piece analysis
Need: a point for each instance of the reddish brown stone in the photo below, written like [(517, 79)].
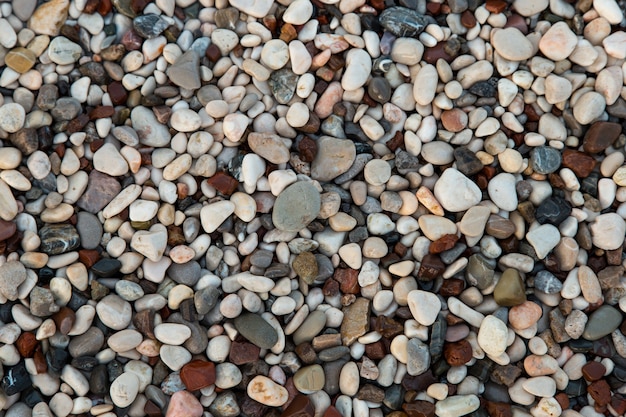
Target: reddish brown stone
[(376, 350), (437, 52), (40, 362), (100, 112), (64, 319), (213, 53), (457, 353), (308, 149), (91, 6), (26, 344), (330, 412), (144, 322), (7, 229), (452, 287), (118, 93), (388, 327), (433, 8), (419, 382), (348, 280), (430, 268), (105, 7), (198, 374), (151, 409), (444, 243), (288, 32), (139, 5), (331, 288), (593, 371), (581, 163), (306, 353), (600, 392), (499, 409), (467, 19), (223, 183), (563, 400), (600, 136), (517, 21), (77, 124), (301, 406), (396, 141), (496, 6), (88, 257), (243, 352), (419, 409), (618, 403), (614, 257)]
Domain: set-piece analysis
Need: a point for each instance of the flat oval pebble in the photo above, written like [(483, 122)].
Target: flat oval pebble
[(296, 207)]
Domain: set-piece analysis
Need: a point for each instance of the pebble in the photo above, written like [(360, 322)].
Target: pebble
[(266, 391), (492, 336), (558, 42), (296, 207), (455, 192)]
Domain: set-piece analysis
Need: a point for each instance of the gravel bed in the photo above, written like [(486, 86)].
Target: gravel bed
[(312, 208)]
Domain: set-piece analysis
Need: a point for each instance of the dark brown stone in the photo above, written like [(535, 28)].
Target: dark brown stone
[(457, 353), (26, 344), (308, 149), (419, 409), (348, 280), (301, 406), (223, 183), (64, 320), (198, 374), (306, 353), (505, 374), (388, 327), (372, 393), (467, 19), (7, 229), (243, 352), (498, 409), (100, 112), (593, 371), (430, 268), (600, 392), (444, 243), (144, 322), (452, 287), (600, 136), (376, 350), (437, 52), (496, 6), (581, 163), (118, 93)]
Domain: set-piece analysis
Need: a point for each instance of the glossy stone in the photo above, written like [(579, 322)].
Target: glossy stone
[(553, 210), (403, 22), (198, 374), (58, 238), (545, 160)]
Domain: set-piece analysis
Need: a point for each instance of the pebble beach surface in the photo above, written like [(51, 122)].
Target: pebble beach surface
[(312, 208)]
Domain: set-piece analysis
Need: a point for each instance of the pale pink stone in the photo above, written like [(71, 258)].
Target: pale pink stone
[(184, 404), (332, 95), (524, 315)]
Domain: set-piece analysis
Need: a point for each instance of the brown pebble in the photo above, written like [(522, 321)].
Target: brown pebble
[(348, 280), (198, 374), (430, 268), (444, 243), (301, 406), (581, 163), (457, 353), (64, 320), (419, 408), (499, 409), (600, 392), (26, 344), (452, 287), (467, 19), (600, 136), (223, 183), (593, 371)]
